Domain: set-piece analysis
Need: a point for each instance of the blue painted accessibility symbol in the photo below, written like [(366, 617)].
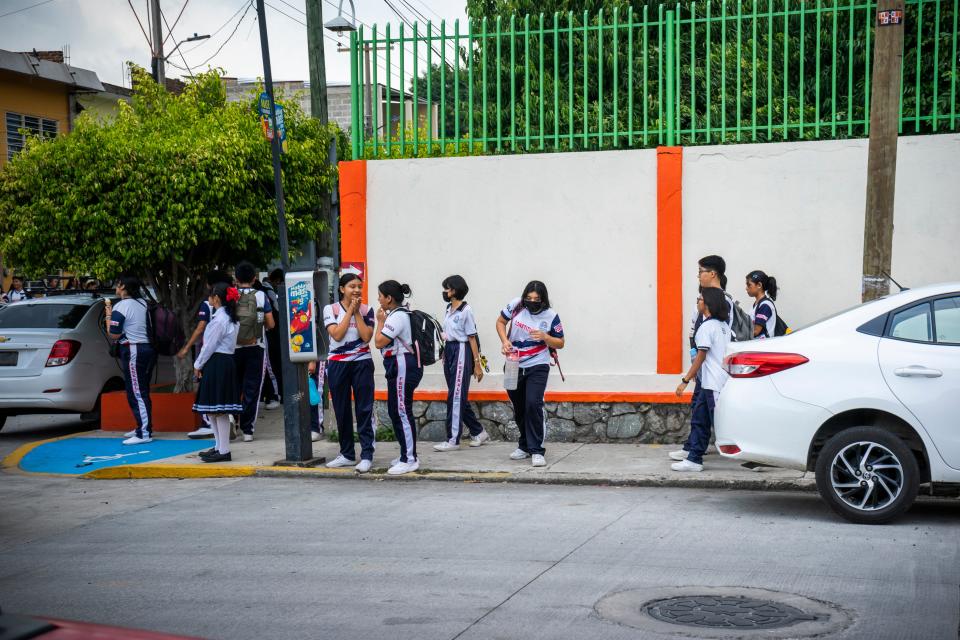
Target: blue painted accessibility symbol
[(76, 456)]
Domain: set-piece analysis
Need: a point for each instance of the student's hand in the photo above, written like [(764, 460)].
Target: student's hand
[(108, 307), (352, 306), (506, 348), (197, 374), (381, 316), (478, 372), (538, 335), (312, 368), (182, 353), (681, 388)]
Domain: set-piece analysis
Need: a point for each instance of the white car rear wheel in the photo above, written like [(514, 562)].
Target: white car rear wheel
[(867, 475)]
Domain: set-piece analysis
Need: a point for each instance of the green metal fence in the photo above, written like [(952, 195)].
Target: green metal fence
[(696, 73)]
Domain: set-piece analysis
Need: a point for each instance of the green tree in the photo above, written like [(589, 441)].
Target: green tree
[(175, 186)]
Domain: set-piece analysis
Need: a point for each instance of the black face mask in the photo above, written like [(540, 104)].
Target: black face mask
[(534, 307), (446, 298)]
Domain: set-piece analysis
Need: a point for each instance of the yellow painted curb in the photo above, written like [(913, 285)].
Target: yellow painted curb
[(179, 471), (12, 461)]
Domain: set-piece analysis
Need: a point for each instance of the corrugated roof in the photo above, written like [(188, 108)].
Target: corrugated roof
[(29, 65)]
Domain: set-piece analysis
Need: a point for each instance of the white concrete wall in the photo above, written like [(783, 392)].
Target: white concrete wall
[(583, 223)]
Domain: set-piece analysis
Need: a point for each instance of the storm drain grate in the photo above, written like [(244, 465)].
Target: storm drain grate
[(722, 613), (726, 612)]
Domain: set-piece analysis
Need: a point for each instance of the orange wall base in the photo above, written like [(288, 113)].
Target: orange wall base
[(559, 396), (172, 412)]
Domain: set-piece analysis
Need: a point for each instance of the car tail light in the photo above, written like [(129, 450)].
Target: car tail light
[(62, 353), (751, 364), (729, 449)]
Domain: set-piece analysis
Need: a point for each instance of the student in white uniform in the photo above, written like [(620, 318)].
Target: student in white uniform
[(529, 326), (16, 292), (712, 339), (350, 372), (763, 289), (218, 395), (461, 359), (394, 338), (204, 313), (128, 324)]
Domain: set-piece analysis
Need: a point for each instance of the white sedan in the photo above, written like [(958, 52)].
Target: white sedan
[(869, 399)]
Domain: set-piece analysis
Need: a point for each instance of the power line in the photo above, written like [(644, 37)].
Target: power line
[(229, 37), (170, 29), (142, 30), (293, 7), (175, 22), (10, 13), (220, 28)]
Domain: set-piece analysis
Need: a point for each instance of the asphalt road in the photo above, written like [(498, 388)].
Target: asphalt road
[(271, 558)]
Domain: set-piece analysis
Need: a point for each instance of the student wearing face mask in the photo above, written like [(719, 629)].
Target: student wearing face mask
[(530, 328), (461, 358)]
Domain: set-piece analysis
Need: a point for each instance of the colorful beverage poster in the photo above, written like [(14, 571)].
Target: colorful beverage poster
[(303, 329)]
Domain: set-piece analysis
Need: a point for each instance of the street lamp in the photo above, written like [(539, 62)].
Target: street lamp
[(194, 38), (340, 24)]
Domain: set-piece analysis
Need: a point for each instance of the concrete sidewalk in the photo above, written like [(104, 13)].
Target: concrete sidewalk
[(567, 463)]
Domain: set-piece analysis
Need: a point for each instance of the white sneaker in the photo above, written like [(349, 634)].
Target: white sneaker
[(446, 446), (395, 462), (403, 467), (539, 460), (130, 434), (248, 437), (315, 436), (273, 404), (136, 440), (686, 465), (479, 439), (678, 455), (519, 454), (341, 461), (364, 466), (202, 432)]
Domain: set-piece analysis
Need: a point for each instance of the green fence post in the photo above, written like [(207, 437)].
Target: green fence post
[(630, 76), (600, 79), (540, 85), (483, 100), (670, 80), (416, 95), (693, 72), (660, 94), (953, 71), (470, 62), (375, 107), (387, 122), (513, 87), (739, 58), (443, 85), (586, 74), (526, 82), (403, 100), (570, 77), (429, 87), (499, 89), (456, 82), (556, 80), (354, 93)]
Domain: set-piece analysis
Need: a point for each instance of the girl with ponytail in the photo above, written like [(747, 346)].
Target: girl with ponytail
[(218, 396), (763, 289)]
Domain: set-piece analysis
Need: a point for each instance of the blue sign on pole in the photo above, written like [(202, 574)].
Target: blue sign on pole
[(268, 132)]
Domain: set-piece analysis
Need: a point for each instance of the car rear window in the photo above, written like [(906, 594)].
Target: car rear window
[(23, 315)]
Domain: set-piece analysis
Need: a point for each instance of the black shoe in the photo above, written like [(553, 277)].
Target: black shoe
[(208, 452), (218, 457)]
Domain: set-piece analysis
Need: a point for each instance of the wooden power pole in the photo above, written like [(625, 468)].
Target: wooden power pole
[(318, 69), (882, 150), (159, 73)]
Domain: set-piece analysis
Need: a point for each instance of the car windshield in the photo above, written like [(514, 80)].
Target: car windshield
[(42, 316)]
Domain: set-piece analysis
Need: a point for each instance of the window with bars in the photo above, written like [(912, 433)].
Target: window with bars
[(17, 123)]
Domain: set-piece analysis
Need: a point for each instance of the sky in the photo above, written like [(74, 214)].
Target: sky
[(103, 34)]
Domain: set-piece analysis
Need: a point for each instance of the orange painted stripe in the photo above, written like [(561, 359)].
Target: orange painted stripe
[(353, 215), (669, 259), (664, 397)]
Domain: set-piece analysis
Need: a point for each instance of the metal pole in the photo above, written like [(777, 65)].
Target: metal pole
[(670, 80), (296, 408), (159, 73)]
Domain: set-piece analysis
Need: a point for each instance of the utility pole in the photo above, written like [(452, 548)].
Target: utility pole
[(882, 150), (296, 408), (159, 73)]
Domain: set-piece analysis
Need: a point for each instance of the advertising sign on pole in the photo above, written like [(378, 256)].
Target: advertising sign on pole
[(302, 332)]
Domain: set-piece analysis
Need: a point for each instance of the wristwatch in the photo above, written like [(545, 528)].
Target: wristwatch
[(684, 380)]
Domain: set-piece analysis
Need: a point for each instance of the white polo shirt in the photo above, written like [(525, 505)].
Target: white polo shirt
[(350, 347), (532, 352)]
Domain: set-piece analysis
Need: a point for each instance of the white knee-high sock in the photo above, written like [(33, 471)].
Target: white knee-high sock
[(222, 427), (211, 421)]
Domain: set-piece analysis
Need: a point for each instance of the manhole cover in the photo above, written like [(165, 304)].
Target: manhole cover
[(726, 612), (723, 612)]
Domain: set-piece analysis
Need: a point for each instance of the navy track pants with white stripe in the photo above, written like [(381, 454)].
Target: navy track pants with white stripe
[(403, 376), (356, 376), (251, 365), (457, 367), (527, 402), (138, 361)]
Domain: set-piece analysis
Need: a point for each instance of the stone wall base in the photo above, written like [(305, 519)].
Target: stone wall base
[(566, 421)]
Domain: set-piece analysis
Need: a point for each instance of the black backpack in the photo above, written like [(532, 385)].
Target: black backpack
[(781, 328), (166, 335), (427, 337)]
